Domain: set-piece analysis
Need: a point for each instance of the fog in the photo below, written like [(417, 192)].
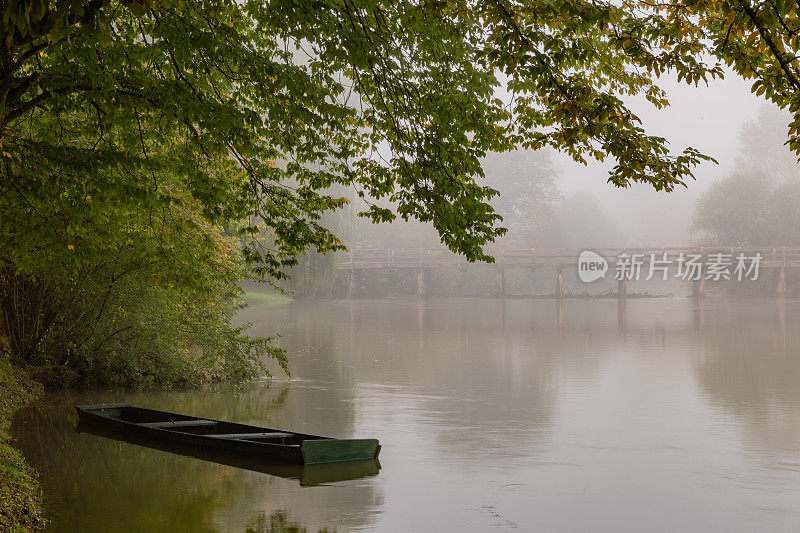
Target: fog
[(748, 197), (722, 119), (717, 118), (714, 119), (710, 118)]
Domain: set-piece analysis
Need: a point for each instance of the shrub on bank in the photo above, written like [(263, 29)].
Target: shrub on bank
[(20, 495), (115, 295)]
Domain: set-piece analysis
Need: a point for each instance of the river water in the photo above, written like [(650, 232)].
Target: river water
[(493, 415)]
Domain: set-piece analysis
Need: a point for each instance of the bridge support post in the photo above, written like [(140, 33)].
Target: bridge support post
[(560, 282), (560, 316), (780, 288), (622, 317), (421, 285), (351, 274), (699, 318), (355, 283), (501, 282), (699, 288), (782, 322)]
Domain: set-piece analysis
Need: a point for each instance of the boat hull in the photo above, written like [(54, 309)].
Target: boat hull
[(307, 475), (228, 437)]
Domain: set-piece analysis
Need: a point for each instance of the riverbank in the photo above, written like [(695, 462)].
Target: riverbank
[(20, 494)]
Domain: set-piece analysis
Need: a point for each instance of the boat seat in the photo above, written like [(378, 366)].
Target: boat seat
[(178, 423), (268, 435)]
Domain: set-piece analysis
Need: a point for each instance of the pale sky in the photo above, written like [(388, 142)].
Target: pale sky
[(708, 118)]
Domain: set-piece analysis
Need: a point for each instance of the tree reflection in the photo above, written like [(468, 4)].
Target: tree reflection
[(279, 522), (750, 366), (98, 484), (476, 373)]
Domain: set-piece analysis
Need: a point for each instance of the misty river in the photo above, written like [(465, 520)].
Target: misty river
[(493, 415)]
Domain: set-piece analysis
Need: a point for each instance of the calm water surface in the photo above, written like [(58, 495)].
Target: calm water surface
[(494, 416)]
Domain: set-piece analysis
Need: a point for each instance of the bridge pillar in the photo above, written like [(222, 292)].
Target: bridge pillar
[(501, 282), (782, 322), (355, 283), (422, 288), (699, 288), (560, 315), (559, 282), (780, 288), (351, 274), (699, 318)]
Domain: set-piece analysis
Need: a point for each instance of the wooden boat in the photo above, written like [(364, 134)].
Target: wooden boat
[(307, 475), (207, 434)]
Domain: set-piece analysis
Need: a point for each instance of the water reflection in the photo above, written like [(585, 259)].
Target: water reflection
[(307, 475), (547, 407), (575, 415), (99, 484), (750, 368)]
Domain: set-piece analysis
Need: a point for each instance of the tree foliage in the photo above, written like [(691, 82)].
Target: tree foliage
[(759, 40), (580, 222), (731, 211), (759, 203), (256, 106), (528, 198), (762, 147), (749, 210), (139, 138)]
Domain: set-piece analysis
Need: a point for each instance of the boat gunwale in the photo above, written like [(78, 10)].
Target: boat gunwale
[(141, 425), (291, 452)]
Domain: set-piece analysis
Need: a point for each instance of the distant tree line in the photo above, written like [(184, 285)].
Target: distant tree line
[(758, 204), (535, 212)]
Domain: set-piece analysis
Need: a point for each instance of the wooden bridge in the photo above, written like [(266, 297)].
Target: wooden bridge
[(621, 263)]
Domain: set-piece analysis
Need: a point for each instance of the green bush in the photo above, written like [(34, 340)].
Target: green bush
[(20, 495), (104, 292)]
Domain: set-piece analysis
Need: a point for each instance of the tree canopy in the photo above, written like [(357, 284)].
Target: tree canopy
[(150, 142), (258, 107)]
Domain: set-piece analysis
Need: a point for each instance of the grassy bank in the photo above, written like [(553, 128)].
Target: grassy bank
[(20, 495), (258, 296)]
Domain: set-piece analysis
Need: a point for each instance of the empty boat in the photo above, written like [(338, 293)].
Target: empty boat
[(207, 434)]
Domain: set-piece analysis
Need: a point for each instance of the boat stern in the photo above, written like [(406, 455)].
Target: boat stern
[(317, 451)]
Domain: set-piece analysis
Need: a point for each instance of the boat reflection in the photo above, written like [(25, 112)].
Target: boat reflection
[(307, 475)]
